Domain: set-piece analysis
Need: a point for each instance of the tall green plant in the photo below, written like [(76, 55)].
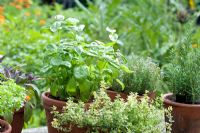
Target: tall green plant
[(74, 67), (183, 74), (146, 76)]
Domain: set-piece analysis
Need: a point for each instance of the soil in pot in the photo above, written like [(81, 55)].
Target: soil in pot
[(186, 116), (5, 127), (185, 99), (48, 103)]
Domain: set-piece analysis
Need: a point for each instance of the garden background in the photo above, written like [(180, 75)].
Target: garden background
[(147, 28)]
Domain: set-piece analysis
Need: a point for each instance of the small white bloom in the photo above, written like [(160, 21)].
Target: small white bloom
[(72, 20), (81, 27), (113, 37), (110, 30), (59, 17)]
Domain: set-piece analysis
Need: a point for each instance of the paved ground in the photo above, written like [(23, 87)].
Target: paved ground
[(36, 130)]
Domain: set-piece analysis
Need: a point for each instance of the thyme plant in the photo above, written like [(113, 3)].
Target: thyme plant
[(106, 116)]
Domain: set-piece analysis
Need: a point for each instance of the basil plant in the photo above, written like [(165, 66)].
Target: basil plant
[(75, 66)]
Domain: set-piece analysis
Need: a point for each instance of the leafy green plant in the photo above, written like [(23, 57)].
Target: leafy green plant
[(12, 97), (146, 76), (183, 75), (74, 67), (26, 81), (103, 115)]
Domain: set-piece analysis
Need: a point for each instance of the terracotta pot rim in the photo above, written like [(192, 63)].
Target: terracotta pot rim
[(46, 95), (48, 101), (8, 126), (173, 103)]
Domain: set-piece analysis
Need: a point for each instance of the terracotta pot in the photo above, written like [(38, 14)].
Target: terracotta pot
[(18, 121), (113, 94), (6, 126), (48, 103), (186, 116)]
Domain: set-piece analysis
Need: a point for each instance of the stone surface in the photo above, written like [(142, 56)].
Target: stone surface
[(36, 130)]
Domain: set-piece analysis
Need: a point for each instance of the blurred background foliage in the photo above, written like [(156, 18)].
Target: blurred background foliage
[(147, 28)]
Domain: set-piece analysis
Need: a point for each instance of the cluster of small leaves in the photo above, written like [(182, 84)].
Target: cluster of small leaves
[(103, 115), (12, 97), (146, 76), (74, 67), (26, 81), (18, 76), (183, 74)]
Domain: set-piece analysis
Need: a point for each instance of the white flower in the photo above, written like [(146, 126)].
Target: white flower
[(59, 17), (72, 20), (113, 37), (110, 30)]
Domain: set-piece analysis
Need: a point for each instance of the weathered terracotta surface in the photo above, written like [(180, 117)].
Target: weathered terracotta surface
[(6, 126), (18, 121), (186, 116), (48, 103)]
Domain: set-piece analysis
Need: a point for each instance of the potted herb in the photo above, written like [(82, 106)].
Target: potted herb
[(183, 78), (146, 76), (75, 66), (32, 92), (107, 116), (12, 98)]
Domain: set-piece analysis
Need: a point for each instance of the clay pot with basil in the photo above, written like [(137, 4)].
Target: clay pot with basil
[(77, 68)]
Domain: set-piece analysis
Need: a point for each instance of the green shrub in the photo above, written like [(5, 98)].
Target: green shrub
[(12, 97), (106, 116), (183, 74), (145, 76)]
